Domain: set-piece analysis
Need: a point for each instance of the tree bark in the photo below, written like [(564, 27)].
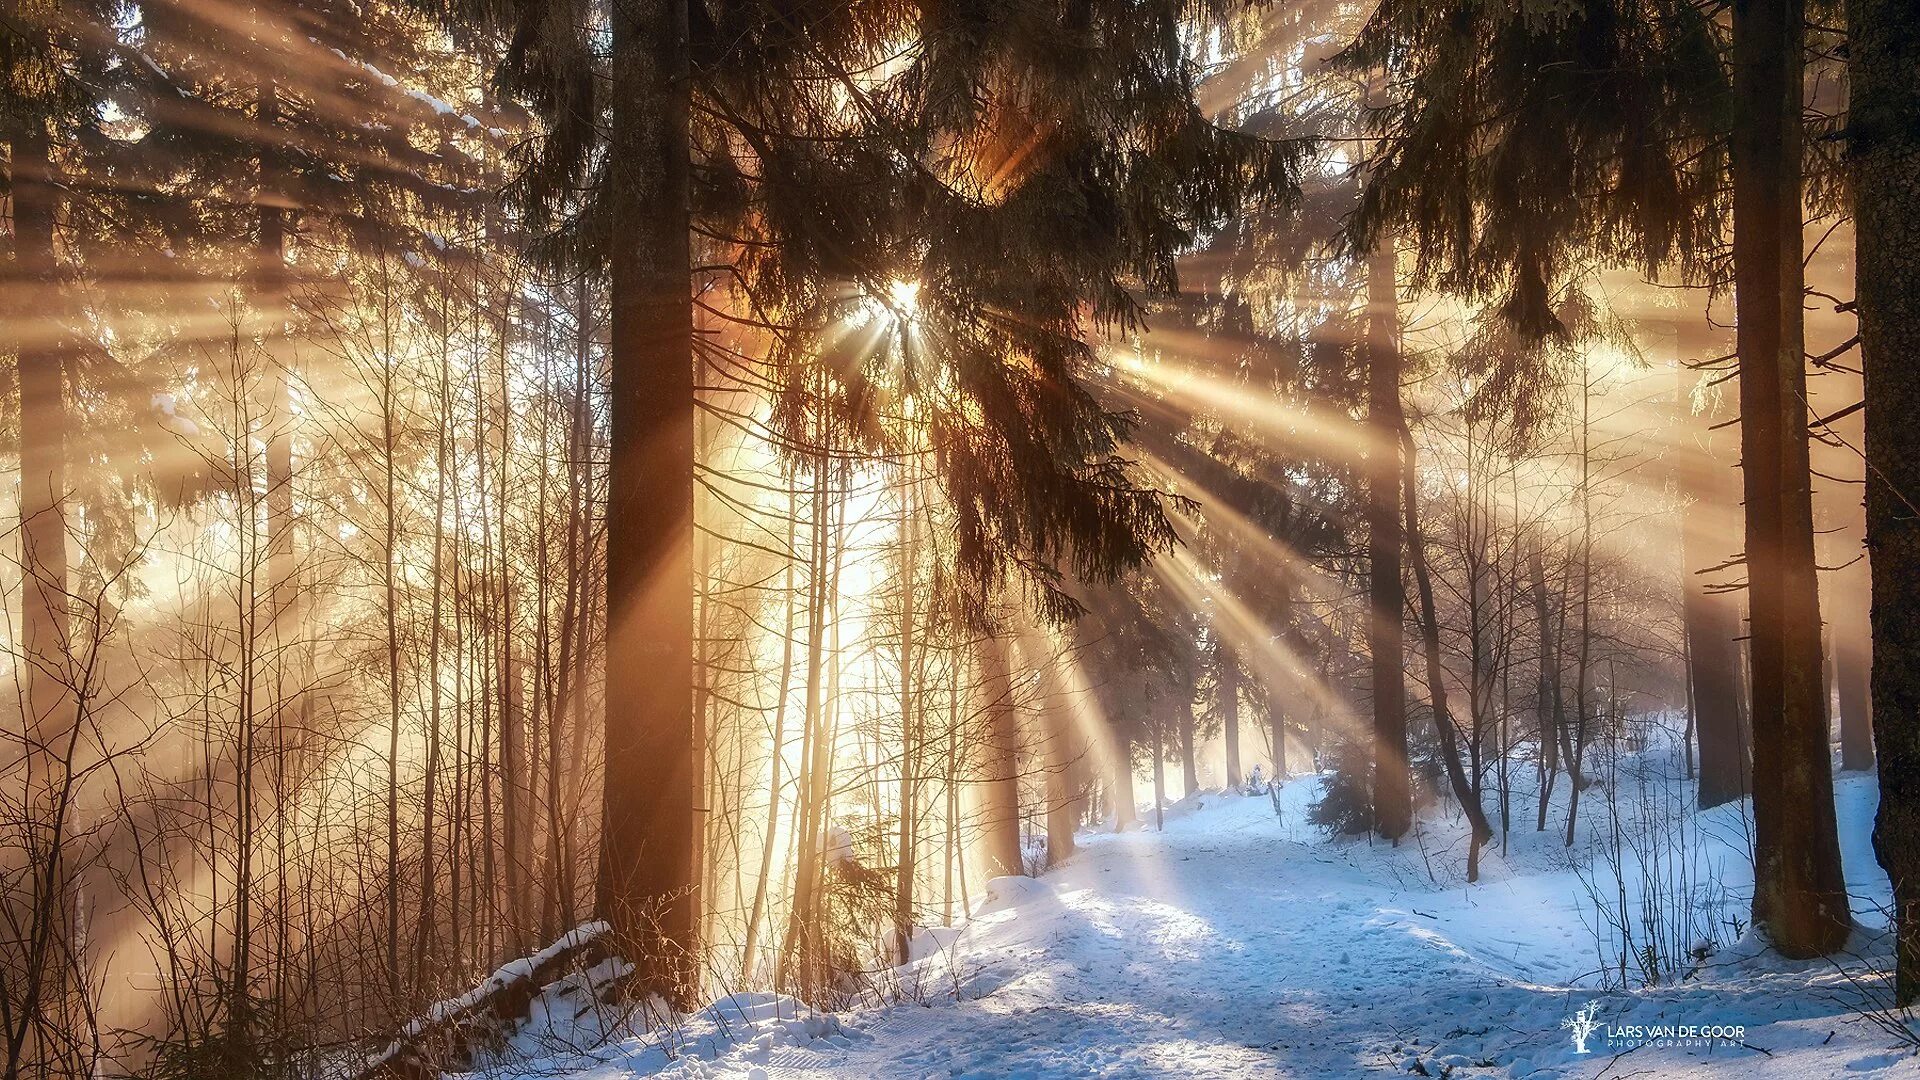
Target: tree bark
[(1883, 42), (1799, 894), (1064, 754), (1392, 787), (1000, 791), (1852, 664), (1159, 777), (647, 884), (910, 728), (1189, 765), (1126, 808), (1711, 620), (1548, 700), (1227, 683)]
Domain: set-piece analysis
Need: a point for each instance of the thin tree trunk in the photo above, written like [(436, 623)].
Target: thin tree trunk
[(1463, 789), (909, 728), (429, 880), (516, 789), (750, 946), (271, 298), (42, 357), (1547, 698), (1583, 657)]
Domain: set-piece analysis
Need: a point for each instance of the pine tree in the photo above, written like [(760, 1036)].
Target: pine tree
[(1799, 894)]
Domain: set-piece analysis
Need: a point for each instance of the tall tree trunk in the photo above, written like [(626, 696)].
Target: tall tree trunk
[(1066, 750), (1799, 894), (1392, 787), (271, 299), (516, 788), (41, 916), (390, 574), (1853, 664), (800, 917), (1189, 766), (647, 880), (1712, 621), (1576, 733), (429, 878), (1463, 788), (779, 740), (1000, 791), (910, 728), (1277, 733), (1126, 806), (1227, 683), (1883, 49), (1548, 702), (1159, 777)]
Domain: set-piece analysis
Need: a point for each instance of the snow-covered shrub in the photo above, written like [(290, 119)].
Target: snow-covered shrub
[(857, 911)]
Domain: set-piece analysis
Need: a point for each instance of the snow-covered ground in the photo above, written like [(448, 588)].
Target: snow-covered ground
[(1241, 943)]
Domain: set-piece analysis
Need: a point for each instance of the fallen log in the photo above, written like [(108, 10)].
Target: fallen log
[(448, 1033)]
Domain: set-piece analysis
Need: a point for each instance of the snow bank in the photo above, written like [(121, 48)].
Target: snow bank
[(1011, 891)]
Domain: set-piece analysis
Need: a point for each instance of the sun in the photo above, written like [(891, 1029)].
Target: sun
[(904, 297)]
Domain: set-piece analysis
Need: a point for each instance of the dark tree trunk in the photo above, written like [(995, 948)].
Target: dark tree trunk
[(1063, 789), (647, 880), (1189, 767), (1126, 807), (1227, 682), (1884, 65), (1712, 620), (1799, 894), (1547, 704), (1159, 778), (1277, 733), (1852, 663), (1392, 788)]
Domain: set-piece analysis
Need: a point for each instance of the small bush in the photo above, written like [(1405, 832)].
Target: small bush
[(1345, 807)]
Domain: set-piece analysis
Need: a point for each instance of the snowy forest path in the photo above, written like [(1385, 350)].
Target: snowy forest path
[(1234, 946), (1240, 942)]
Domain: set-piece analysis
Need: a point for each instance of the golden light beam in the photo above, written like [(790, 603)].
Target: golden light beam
[(1282, 423), (1275, 663)]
